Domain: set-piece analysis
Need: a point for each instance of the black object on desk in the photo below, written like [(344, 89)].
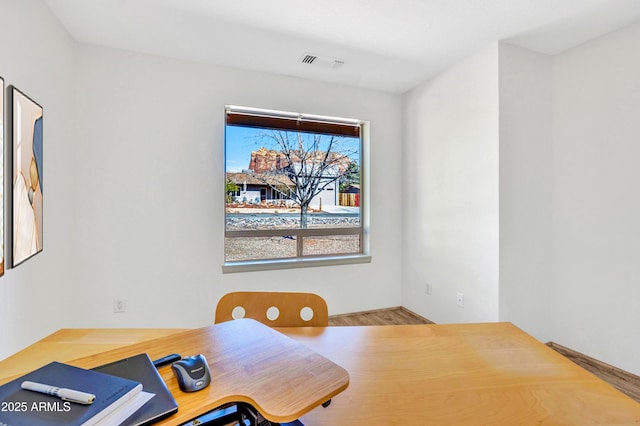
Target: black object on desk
[(140, 368), (166, 360), (192, 373)]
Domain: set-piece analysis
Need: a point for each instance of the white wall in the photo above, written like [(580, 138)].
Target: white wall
[(133, 181), (525, 190), (451, 164), (150, 189), (37, 56), (596, 202), (529, 211), (569, 235)]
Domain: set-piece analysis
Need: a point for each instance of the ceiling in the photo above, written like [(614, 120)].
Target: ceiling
[(388, 45)]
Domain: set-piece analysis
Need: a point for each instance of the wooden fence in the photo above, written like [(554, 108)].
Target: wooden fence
[(350, 200)]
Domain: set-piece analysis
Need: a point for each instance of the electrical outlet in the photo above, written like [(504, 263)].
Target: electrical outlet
[(118, 305), (460, 300), (428, 289)]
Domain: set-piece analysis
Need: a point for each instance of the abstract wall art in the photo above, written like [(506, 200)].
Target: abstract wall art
[(27, 138)]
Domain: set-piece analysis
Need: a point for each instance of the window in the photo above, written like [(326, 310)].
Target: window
[(293, 186)]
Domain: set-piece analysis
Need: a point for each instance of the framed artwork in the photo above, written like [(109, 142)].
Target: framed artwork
[(26, 129)]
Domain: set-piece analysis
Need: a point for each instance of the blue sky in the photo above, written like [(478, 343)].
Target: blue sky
[(240, 141)]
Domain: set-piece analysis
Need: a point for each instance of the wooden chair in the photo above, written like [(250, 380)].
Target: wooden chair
[(275, 309)]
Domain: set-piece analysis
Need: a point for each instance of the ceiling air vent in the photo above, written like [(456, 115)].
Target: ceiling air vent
[(322, 61)]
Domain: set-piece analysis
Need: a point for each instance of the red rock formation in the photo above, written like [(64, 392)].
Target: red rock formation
[(265, 160)]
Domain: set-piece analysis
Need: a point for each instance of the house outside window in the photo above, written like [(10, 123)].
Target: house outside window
[(292, 190)]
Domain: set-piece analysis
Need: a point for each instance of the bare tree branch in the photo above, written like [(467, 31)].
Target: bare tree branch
[(310, 161)]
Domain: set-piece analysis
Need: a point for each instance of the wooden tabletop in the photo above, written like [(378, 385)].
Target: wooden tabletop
[(467, 374), (71, 343), (249, 362), (463, 374)]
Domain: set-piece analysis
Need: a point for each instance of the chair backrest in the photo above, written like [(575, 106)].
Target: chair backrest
[(275, 309)]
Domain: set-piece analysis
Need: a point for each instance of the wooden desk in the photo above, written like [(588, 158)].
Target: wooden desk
[(448, 375), (249, 362), (467, 374)]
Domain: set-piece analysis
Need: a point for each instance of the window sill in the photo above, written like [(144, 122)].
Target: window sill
[(270, 265)]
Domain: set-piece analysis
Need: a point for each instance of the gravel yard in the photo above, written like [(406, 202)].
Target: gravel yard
[(238, 249), (271, 221)]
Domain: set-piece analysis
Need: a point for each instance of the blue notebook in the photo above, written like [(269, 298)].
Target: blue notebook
[(22, 407)]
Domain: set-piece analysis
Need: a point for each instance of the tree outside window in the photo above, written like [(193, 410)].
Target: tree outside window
[(290, 188)]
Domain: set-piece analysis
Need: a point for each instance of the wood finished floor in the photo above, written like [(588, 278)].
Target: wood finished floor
[(621, 380), (393, 316), (625, 382)]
